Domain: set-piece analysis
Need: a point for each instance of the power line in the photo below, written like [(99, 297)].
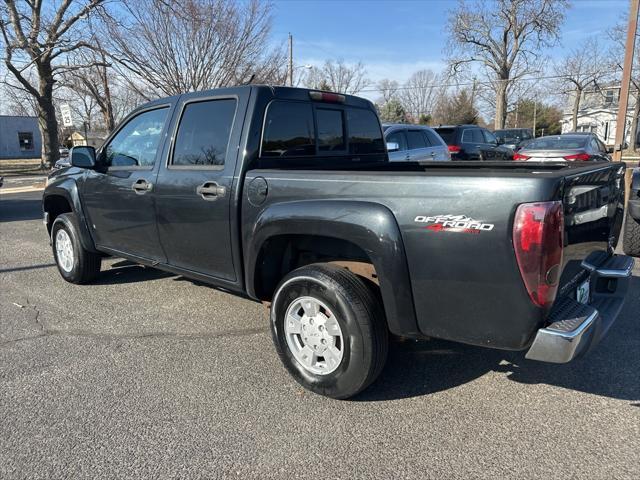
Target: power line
[(465, 84)]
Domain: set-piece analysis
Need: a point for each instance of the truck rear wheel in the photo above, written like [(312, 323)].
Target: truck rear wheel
[(329, 330), (631, 237), (75, 263)]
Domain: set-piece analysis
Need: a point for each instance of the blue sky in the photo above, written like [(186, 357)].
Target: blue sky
[(395, 38)]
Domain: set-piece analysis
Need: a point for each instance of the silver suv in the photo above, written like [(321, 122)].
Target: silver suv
[(414, 143)]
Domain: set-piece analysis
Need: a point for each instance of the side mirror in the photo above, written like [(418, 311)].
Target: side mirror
[(83, 157), (393, 146), (609, 149), (500, 141)]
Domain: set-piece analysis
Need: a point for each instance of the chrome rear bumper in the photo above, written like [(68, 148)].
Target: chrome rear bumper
[(574, 328)]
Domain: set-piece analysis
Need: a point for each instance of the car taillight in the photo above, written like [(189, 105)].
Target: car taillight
[(519, 156), (454, 149), (538, 234), (578, 156)]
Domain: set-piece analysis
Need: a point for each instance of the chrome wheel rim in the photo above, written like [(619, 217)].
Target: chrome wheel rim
[(314, 335), (64, 250)]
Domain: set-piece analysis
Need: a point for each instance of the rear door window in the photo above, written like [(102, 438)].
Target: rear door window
[(365, 135), (288, 130), (416, 140), (203, 133), (330, 130), (472, 135)]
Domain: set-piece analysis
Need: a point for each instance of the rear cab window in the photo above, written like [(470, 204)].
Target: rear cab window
[(305, 129), (289, 130)]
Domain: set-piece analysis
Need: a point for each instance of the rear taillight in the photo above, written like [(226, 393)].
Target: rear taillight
[(538, 232), (454, 149), (519, 156), (582, 157)]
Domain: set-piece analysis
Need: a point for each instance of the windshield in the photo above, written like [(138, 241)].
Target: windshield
[(510, 135), (557, 143)]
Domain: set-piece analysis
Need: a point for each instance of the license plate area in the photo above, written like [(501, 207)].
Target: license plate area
[(583, 292)]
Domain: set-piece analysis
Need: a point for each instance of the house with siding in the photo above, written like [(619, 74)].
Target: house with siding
[(598, 112), (19, 137)]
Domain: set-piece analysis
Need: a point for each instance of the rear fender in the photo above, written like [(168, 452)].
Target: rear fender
[(370, 226)]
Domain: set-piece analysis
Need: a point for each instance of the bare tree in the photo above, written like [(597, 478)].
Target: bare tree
[(388, 89), (504, 38), (420, 93), (169, 48), (39, 37), (618, 34), (338, 77), (586, 65), (94, 82)]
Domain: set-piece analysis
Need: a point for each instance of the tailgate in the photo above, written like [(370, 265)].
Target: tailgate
[(593, 213)]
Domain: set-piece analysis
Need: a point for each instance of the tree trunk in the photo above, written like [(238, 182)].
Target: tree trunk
[(501, 104), (47, 116), (576, 107)]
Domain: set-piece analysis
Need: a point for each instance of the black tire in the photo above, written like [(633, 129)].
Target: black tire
[(86, 264), (360, 316), (631, 237)]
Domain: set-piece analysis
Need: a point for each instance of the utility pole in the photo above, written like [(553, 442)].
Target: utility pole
[(621, 120), (290, 60), (535, 111)]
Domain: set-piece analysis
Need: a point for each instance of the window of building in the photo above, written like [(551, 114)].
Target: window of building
[(26, 141)]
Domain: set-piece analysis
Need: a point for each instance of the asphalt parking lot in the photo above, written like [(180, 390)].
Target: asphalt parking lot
[(148, 374)]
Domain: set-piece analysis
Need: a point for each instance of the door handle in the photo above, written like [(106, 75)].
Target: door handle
[(141, 186), (211, 191)]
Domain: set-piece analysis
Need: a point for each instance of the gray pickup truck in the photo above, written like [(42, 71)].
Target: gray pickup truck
[(287, 196)]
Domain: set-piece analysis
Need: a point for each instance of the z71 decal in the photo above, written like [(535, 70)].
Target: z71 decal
[(453, 223)]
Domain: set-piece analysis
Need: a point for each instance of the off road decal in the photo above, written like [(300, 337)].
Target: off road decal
[(453, 223)]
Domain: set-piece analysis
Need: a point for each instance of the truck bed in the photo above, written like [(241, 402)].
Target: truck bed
[(469, 280)]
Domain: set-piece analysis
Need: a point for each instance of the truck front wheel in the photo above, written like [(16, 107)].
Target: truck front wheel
[(329, 330), (75, 263)]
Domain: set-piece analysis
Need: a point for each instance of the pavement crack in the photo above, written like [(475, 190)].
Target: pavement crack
[(137, 336)]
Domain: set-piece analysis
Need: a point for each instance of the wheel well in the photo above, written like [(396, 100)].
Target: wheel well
[(55, 205), (281, 254)]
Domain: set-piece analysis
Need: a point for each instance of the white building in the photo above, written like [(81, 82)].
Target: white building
[(598, 112)]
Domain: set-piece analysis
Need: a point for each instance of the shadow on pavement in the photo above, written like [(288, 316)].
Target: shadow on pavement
[(16, 210), (126, 272), (611, 370)]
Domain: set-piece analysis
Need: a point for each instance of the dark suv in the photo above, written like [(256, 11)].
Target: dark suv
[(471, 142)]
